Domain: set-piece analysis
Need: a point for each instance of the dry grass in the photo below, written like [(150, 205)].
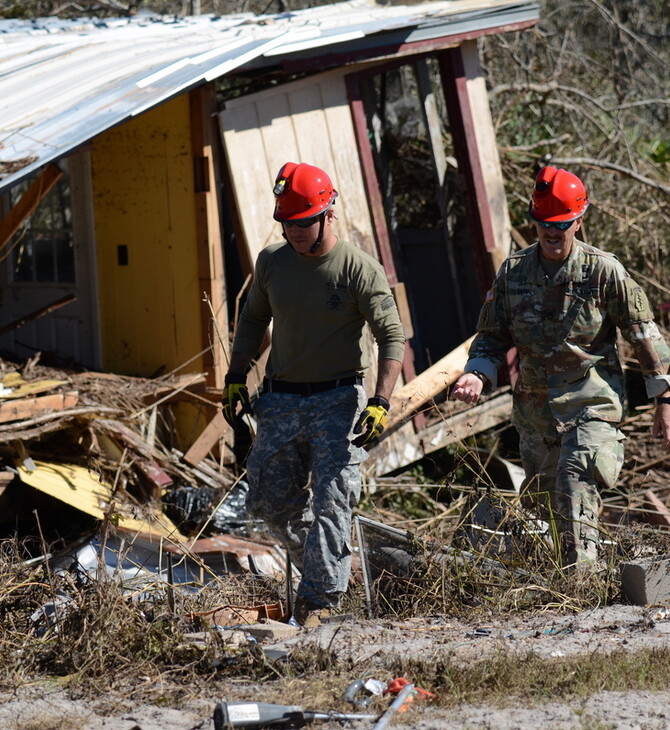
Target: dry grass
[(103, 638), (97, 636), (513, 568), (499, 678)]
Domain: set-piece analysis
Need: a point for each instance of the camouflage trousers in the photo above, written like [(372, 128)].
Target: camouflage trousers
[(563, 478), (304, 482)]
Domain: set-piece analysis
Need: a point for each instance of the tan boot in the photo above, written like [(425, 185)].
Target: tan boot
[(315, 617), (309, 616), (300, 610)]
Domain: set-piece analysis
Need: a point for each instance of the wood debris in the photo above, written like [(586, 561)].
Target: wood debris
[(97, 443)]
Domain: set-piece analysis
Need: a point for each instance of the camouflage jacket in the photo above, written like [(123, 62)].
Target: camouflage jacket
[(564, 329)]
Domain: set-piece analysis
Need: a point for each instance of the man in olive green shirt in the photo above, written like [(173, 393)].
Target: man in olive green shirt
[(319, 293), (560, 302)]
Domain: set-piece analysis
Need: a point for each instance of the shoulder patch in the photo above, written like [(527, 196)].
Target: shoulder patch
[(388, 303)]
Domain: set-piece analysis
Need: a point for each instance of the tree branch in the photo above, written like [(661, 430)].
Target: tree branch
[(605, 165)]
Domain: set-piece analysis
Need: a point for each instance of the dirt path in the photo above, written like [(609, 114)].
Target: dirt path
[(369, 644)]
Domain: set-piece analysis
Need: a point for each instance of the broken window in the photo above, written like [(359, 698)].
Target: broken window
[(43, 248)]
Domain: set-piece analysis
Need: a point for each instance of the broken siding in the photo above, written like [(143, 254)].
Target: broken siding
[(144, 201), (487, 148)]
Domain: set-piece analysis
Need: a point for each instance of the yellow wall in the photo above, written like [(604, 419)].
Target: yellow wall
[(144, 199)]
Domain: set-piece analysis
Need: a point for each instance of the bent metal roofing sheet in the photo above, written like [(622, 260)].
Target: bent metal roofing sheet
[(64, 82)]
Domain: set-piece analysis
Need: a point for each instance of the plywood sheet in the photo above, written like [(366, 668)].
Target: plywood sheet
[(306, 121), (82, 489)]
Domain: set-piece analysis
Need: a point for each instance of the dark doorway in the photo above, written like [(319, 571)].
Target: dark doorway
[(424, 206)]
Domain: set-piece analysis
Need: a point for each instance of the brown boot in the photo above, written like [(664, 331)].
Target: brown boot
[(315, 616), (308, 615)]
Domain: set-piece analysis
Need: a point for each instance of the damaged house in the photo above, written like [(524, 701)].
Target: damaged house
[(137, 157)]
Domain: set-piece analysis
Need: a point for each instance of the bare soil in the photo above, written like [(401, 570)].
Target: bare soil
[(372, 644)]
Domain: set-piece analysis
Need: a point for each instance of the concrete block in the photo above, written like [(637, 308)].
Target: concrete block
[(272, 630), (646, 581)]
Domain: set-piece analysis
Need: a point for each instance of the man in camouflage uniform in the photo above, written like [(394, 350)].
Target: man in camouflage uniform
[(303, 469), (560, 302)]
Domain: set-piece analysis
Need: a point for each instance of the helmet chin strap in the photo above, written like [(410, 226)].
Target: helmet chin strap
[(319, 238)]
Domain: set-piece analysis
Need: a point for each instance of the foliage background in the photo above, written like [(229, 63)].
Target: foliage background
[(587, 89)]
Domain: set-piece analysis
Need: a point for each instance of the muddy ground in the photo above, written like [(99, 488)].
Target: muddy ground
[(369, 644)]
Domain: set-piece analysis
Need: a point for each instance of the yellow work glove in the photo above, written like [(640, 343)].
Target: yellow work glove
[(234, 392), (373, 420)]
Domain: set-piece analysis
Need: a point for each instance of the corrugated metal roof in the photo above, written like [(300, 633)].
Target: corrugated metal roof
[(64, 82)]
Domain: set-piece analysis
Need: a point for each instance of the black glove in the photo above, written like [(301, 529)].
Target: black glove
[(234, 392), (373, 420)]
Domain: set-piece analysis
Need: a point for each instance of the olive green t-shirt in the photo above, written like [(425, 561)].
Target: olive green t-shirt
[(318, 307)]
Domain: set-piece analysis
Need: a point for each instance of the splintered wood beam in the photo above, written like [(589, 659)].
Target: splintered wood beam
[(17, 410), (24, 208), (38, 313), (422, 389), (213, 432), (389, 455)]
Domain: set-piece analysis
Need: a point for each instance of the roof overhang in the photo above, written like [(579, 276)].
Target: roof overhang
[(64, 82)]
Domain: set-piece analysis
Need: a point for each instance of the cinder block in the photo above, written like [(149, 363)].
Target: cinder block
[(646, 581), (272, 630)]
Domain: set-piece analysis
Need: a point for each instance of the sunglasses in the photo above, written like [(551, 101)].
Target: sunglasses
[(559, 225), (302, 222)]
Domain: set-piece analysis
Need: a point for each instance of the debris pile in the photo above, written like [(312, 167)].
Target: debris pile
[(82, 449)]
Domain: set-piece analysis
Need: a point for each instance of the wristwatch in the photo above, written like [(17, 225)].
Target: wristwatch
[(484, 379)]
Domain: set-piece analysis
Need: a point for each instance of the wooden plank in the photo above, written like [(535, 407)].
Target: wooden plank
[(214, 431), (208, 226), (352, 206), (21, 388), (87, 492), (373, 190), (17, 410), (24, 208), (428, 384), (251, 174), (490, 172), (6, 477), (463, 129), (388, 455)]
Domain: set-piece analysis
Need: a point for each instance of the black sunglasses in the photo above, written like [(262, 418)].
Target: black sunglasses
[(302, 222), (560, 225)]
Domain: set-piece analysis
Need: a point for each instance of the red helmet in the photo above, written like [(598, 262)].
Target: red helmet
[(302, 191), (558, 195)]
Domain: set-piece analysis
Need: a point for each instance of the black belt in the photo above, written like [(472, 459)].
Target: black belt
[(305, 389)]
